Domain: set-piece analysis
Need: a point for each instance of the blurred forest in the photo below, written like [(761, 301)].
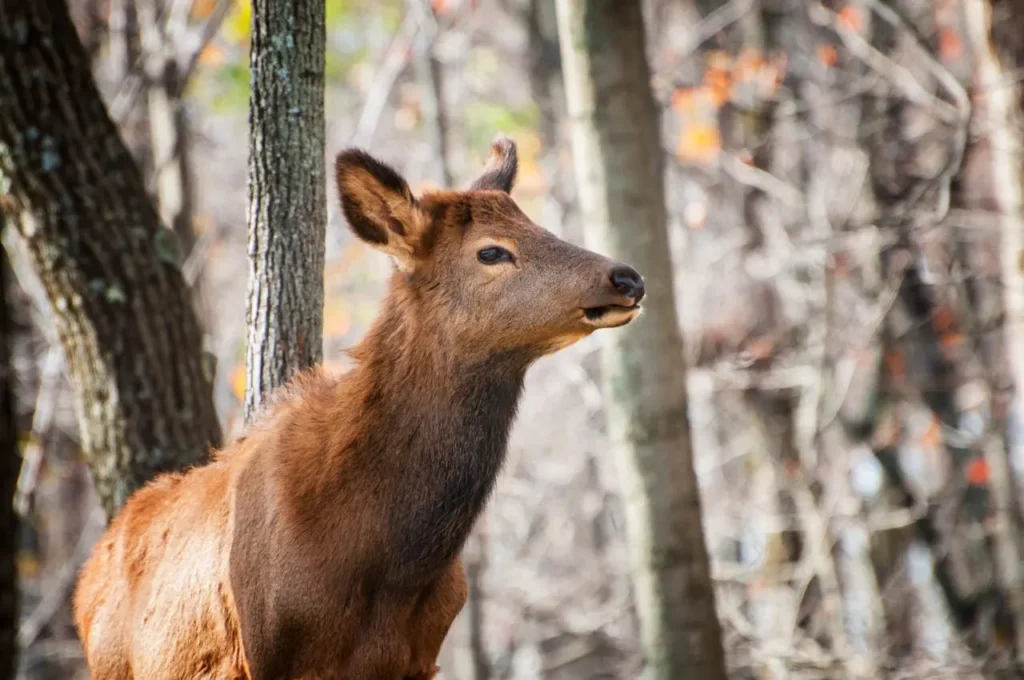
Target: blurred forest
[(843, 181)]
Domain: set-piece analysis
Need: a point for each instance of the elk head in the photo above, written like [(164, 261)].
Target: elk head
[(476, 264)]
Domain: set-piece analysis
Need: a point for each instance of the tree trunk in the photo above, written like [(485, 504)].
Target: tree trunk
[(168, 123), (619, 169), (9, 465), (133, 344), (430, 81), (287, 206), (1002, 353)]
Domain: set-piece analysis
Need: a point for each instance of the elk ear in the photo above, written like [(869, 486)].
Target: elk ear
[(378, 204), (502, 166)]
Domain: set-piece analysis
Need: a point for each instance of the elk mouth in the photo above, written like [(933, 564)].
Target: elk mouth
[(610, 316)]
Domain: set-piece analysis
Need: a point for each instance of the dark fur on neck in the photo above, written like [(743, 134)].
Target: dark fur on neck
[(441, 422)]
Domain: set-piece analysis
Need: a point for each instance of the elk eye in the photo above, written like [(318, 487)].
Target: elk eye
[(493, 255)]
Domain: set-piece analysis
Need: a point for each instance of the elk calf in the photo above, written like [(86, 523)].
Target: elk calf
[(326, 543)]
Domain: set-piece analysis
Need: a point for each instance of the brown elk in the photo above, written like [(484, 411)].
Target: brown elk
[(325, 544)]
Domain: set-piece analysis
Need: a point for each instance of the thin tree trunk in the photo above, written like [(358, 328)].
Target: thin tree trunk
[(9, 465), (124, 53), (287, 211), (133, 344), (90, 24), (545, 65), (475, 558), (430, 80), (619, 169), (168, 124)]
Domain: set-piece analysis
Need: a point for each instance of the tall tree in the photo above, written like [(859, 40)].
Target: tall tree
[(9, 465), (110, 269), (619, 169), (993, 30), (287, 204)]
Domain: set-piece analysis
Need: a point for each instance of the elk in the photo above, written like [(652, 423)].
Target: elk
[(325, 543)]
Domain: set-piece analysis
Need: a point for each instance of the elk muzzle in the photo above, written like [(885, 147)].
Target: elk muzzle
[(618, 299)]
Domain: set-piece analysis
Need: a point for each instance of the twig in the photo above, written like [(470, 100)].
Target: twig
[(882, 64), (955, 90), (56, 594), (757, 178), (206, 35), (127, 95), (395, 60), (196, 259), (42, 421), (715, 22)]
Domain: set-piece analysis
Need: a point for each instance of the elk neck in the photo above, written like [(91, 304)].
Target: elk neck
[(438, 416)]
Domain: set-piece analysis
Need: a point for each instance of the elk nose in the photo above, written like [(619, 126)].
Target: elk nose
[(627, 282)]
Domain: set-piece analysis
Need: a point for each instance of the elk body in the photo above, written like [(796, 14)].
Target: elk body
[(325, 544)]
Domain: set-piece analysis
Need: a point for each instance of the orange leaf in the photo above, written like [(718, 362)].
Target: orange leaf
[(718, 82), (895, 363), (977, 471), (212, 55), (951, 340), (950, 44), (440, 6), (943, 320), (761, 348), (748, 65), (699, 142), (850, 18), (827, 55), (201, 9)]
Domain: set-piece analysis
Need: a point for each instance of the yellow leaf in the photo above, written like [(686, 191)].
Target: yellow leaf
[(699, 143), (239, 22), (238, 381), (718, 60)]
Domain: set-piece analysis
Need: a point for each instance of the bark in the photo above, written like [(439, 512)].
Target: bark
[(9, 465), (287, 205), (133, 344), (619, 169)]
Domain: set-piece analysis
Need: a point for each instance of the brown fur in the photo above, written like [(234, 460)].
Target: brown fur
[(325, 544)]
